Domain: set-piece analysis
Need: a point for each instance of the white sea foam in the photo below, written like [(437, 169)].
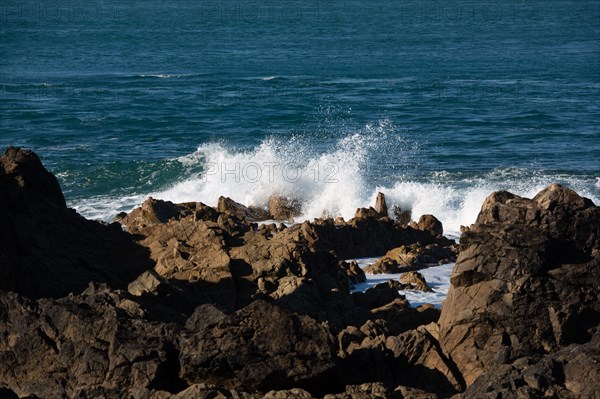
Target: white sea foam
[(437, 277), (332, 181)]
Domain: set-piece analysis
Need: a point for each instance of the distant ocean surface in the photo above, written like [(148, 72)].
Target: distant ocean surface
[(434, 103)]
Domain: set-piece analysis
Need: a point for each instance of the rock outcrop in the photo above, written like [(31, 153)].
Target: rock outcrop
[(188, 301), (524, 302), (49, 250)]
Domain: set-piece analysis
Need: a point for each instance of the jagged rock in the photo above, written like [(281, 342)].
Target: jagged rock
[(365, 213), (95, 342), (242, 212), (24, 182), (48, 250), (526, 283), (414, 281), (403, 392), (283, 208), (377, 296), (431, 224), (373, 390), (413, 257), (354, 272), (403, 218), (380, 205), (153, 212), (424, 362), (193, 252), (260, 347), (360, 237)]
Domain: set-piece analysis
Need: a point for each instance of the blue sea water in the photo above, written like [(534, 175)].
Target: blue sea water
[(434, 103)]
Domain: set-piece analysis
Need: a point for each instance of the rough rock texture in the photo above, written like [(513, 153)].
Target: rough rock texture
[(283, 208), (242, 212), (380, 205), (49, 250), (413, 257), (402, 217), (414, 281), (431, 224), (218, 307), (526, 286), (96, 342), (260, 347)]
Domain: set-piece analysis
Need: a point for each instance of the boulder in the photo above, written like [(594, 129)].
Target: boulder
[(413, 257), (24, 182), (242, 212), (365, 213), (284, 208), (431, 224), (153, 212), (402, 217), (525, 286), (414, 281)]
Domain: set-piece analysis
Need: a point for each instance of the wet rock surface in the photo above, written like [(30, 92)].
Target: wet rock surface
[(190, 301)]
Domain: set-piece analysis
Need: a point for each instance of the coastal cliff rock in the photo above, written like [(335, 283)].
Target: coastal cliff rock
[(525, 297), (49, 250), (189, 301)]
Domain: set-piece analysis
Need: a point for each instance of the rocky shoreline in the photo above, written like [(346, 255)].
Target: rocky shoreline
[(190, 301)]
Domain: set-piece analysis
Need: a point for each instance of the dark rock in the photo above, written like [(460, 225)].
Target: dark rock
[(95, 342), (24, 182), (373, 390), (48, 250), (403, 218), (260, 347)]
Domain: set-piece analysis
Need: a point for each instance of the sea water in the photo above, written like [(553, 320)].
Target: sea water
[(436, 104)]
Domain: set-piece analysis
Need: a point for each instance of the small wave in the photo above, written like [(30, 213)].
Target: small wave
[(161, 76), (270, 78), (332, 182)]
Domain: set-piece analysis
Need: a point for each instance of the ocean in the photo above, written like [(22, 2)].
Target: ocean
[(436, 104)]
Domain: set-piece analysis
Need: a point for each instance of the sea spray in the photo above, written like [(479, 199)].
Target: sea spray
[(334, 180)]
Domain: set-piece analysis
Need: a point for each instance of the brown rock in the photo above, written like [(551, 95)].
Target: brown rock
[(283, 208), (413, 257), (380, 205), (95, 344), (431, 224), (414, 281), (365, 213), (242, 212), (525, 283)]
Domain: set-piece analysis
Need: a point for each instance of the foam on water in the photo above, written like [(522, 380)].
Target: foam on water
[(332, 181), (437, 277)]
